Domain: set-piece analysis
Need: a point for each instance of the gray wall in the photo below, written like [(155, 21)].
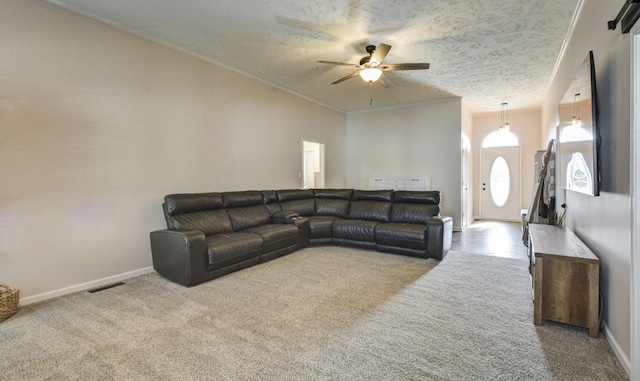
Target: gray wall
[(604, 222), (421, 140), (97, 125)]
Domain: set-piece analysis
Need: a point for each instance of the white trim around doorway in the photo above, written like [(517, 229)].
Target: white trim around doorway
[(635, 204)]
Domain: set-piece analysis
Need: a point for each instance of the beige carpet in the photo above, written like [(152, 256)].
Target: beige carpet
[(323, 313)]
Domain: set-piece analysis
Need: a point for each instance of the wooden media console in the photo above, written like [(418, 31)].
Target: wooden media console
[(565, 278)]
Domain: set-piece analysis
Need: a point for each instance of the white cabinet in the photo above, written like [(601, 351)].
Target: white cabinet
[(400, 183)]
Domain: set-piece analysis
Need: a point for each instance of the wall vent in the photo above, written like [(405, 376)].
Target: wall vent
[(105, 287)]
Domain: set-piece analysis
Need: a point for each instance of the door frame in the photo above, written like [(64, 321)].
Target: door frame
[(465, 202), (321, 162), (635, 204)]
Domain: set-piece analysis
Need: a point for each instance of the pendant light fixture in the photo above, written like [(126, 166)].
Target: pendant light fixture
[(576, 121), (504, 117)]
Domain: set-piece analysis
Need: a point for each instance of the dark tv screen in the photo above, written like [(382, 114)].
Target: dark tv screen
[(578, 134)]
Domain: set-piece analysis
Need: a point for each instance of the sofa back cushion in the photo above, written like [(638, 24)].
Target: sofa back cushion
[(197, 211), (242, 198), (246, 209), (419, 197), (270, 200), (249, 216), (415, 207), (370, 205), (297, 200), (209, 222), (333, 202), (192, 202)]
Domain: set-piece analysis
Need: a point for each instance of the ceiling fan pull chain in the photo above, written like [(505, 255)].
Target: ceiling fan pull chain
[(371, 93)]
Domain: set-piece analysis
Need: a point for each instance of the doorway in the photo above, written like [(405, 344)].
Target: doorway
[(466, 212), (500, 177), (313, 161)]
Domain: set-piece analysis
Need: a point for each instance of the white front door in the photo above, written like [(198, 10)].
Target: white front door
[(500, 186)]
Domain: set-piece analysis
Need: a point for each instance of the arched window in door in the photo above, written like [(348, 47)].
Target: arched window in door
[(500, 139)]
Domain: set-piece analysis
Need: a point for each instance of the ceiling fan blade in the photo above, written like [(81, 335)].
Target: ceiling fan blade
[(385, 81), (381, 51), (405, 66), (337, 63), (345, 78)]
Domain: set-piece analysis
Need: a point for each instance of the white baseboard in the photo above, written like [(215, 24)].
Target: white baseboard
[(624, 360), (84, 286)]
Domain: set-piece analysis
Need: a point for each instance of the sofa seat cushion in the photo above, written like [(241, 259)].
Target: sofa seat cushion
[(411, 236), (275, 236), (231, 248), (321, 226), (355, 230)]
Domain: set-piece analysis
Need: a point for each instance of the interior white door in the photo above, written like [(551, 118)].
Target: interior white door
[(309, 165), (500, 187), (313, 164)]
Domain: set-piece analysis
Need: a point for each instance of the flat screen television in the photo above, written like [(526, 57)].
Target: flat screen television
[(578, 133)]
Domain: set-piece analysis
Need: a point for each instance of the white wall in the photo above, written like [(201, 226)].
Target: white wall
[(97, 125), (420, 140), (526, 126), (604, 222)]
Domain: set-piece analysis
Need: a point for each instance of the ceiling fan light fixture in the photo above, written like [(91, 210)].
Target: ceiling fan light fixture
[(370, 74)]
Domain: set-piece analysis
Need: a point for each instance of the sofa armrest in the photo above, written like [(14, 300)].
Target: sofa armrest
[(180, 255), (285, 217), (439, 233)]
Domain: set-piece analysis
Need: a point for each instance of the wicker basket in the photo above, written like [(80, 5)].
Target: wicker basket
[(8, 301)]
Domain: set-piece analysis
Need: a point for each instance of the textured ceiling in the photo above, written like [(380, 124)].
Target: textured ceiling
[(485, 51)]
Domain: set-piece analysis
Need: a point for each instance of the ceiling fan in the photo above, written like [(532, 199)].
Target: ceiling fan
[(371, 67)]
